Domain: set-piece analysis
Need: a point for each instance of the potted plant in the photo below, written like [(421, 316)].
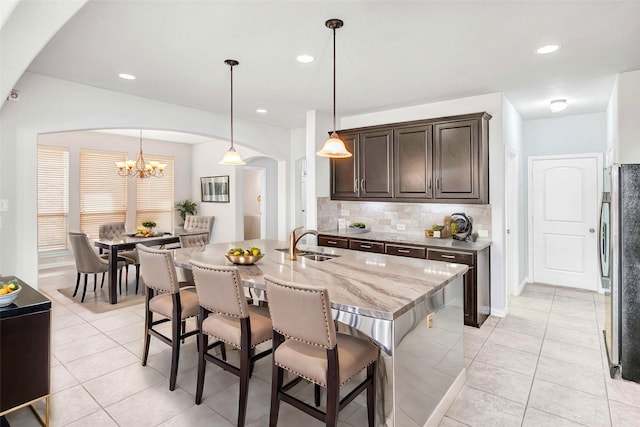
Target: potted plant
[(149, 225), (186, 207)]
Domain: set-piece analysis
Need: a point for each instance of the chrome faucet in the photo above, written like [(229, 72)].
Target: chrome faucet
[(293, 241)]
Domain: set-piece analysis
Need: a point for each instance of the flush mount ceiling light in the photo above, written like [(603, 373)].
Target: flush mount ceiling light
[(261, 110), (127, 76), (558, 105), (334, 147), (231, 157), (305, 59), (140, 168), (550, 48)]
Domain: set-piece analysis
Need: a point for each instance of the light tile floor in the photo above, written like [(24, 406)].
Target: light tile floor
[(542, 365)]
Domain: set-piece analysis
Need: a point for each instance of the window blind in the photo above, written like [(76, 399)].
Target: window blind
[(103, 193), (154, 197), (53, 197)]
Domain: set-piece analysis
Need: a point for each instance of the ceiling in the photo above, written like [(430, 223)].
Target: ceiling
[(389, 53)]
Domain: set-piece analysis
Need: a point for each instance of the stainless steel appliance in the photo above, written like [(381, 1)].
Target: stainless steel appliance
[(619, 254)]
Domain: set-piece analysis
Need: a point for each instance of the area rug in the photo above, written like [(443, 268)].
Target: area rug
[(98, 301)]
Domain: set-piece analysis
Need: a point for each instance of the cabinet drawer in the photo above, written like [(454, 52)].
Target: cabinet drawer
[(364, 245), (408, 251), (450, 256), (335, 242)]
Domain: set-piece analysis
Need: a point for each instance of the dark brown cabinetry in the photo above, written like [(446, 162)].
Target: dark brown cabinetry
[(366, 245), (413, 177), (345, 182), (25, 336), (444, 160), (459, 160), (476, 286)]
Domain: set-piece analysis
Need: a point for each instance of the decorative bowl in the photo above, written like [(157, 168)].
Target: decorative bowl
[(244, 259), (7, 299)]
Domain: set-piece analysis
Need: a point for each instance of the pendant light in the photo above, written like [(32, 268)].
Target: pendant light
[(334, 147), (231, 157)]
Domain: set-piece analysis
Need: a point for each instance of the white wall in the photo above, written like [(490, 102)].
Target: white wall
[(52, 105), (491, 103), (627, 147), (513, 135), (612, 125)]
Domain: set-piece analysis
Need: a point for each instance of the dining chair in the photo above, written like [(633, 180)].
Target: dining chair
[(305, 343), (197, 223), (115, 230), (194, 240), (165, 297), (89, 262), (226, 316)]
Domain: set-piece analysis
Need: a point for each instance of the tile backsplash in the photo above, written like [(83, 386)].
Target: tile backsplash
[(386, 216)]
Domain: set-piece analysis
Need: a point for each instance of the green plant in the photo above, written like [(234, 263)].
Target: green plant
[(149, 224), (186, 207)]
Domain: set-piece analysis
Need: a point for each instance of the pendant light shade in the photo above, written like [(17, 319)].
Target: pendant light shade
[(334, 147), (231, 157)]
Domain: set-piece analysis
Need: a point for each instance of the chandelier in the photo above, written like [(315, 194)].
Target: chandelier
[(140, 168)]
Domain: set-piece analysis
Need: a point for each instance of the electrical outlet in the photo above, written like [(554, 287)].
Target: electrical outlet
[(401, 227), (344, 212), (483, 233)]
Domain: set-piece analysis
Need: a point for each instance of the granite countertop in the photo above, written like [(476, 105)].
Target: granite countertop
[(374, 285), (412, 239)]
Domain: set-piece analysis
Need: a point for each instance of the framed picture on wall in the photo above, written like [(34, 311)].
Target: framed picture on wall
[(215, 188)]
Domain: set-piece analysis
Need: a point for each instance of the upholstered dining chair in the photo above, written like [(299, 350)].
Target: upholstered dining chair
[(194, 240), (226, 317), (89, 262), (114, 230), (165, 297), (305, 342), (198, 223)]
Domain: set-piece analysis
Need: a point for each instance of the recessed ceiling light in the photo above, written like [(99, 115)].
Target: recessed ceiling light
[(550, 48), (558, 105), (127, 76), (261, 111), (305, 59)]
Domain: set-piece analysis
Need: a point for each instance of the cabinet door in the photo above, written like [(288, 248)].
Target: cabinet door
[(457, 160), (412, 149), (375, 164), (470, 300), (331, 241), (366, 246), (345, 182)]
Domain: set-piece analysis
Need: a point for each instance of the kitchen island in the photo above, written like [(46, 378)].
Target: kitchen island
[(412, 308)]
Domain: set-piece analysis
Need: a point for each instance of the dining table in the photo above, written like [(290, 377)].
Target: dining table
[(411, 308), (127, 242)]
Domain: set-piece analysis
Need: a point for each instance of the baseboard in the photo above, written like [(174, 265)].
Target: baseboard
[(42, 267), (499, 313), (522, 285), (447, 400)]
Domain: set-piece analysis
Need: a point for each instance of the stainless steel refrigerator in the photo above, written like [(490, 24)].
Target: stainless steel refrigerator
[(619, 254)]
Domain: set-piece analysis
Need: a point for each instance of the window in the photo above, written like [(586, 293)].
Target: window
[(53, 197), (154, 197), (103, 193)]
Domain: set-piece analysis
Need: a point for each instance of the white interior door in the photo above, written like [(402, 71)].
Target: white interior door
[(564, 206)]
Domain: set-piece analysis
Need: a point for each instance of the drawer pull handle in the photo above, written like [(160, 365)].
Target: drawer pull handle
[(404, 251), (366, 246), (332, 242), (448, 256)]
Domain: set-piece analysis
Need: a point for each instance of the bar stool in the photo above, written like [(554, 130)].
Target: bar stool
[(165, 297), (305, 343), (226, 316)]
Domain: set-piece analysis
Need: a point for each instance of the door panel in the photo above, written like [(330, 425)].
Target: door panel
[(375, 164), (565, 216), (413, 158), (456, 160), (344, 172)]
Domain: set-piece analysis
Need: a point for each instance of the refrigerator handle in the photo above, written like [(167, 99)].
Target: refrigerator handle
[(602, 239)]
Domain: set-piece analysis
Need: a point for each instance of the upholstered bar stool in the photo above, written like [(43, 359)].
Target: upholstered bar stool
[(166, 298), (305, 343), (226, 316)]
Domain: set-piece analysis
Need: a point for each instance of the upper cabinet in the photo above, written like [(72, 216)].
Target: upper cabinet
[(443, 160)]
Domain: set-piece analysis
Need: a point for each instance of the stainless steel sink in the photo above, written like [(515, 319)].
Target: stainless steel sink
[(314, 256), (318, 257)]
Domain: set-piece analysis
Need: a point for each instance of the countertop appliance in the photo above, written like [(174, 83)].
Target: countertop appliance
[(464, 226), (619, 254)]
